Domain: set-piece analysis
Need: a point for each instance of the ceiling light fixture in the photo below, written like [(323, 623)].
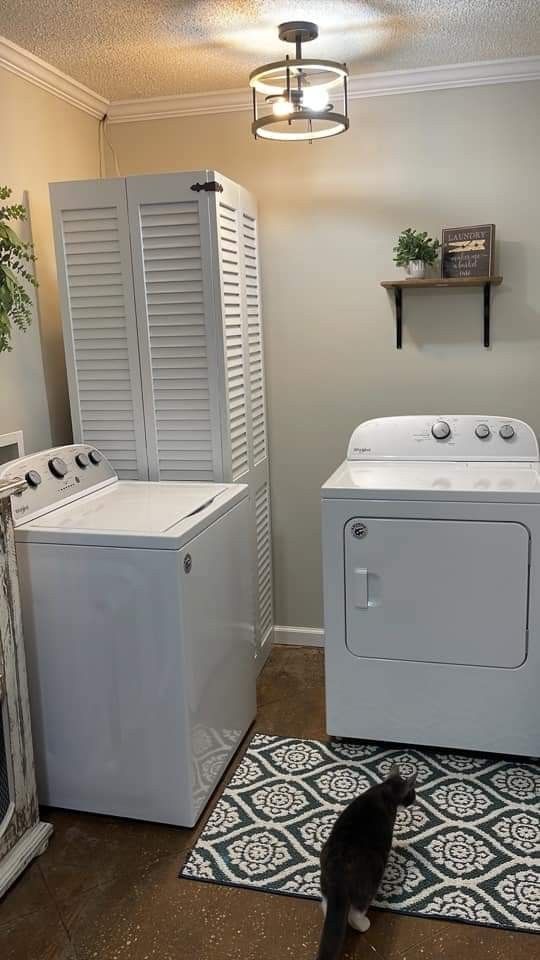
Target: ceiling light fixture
[(291, 98)]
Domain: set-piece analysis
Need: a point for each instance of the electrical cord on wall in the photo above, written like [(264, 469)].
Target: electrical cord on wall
[(104, 140)]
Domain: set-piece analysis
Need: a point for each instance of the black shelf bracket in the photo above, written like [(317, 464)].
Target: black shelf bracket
[(399, 319), (487, 316), (398, 302)]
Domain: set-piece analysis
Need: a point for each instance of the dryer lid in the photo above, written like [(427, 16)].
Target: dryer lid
[(131, 507), (420, 480)]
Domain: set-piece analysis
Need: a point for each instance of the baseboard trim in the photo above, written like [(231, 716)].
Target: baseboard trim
[(299, 636)]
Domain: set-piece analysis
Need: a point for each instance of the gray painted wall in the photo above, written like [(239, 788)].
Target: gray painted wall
[(47, 140), (329, 215)]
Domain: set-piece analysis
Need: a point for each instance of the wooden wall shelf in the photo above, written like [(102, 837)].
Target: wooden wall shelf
[(428, 284)]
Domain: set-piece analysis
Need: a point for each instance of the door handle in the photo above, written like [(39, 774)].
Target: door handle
[(360, 595)]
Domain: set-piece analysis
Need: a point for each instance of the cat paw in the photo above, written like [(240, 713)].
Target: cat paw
[(358, 920), (323, 906)]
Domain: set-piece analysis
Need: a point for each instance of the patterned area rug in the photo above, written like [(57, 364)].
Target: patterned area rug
[(468, 850)]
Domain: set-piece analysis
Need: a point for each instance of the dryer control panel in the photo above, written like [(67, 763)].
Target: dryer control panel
[(444, 437), (56, 476)]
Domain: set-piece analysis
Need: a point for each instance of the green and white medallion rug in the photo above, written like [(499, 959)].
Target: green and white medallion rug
[(468, 850)]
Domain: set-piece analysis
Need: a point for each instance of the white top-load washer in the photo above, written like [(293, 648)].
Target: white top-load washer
[(138, 615), (431, 543)]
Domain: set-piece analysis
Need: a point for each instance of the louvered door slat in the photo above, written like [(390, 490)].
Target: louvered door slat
[(254, 336), (93, 251), (229, 250)]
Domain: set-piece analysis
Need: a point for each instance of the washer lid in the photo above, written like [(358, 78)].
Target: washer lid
[(131, 507)]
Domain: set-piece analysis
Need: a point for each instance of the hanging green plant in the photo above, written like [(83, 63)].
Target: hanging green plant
[(15, 259)]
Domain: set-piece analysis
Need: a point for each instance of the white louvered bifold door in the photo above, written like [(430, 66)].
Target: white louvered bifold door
[(258, 445), (98, 312), (229, 250), (174, 295)]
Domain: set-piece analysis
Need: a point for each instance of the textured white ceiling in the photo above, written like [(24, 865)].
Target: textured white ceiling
[(144, 48)]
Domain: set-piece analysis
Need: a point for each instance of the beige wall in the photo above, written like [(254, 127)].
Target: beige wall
[(329, 215), (43, 139)]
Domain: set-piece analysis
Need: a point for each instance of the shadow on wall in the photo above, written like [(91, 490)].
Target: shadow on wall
[(455, 317)]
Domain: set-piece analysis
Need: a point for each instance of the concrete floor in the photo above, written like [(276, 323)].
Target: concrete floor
[(107, 889)]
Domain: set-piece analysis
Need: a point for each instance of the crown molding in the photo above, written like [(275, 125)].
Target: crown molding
[(180, 105), (384, 83), (387, 83), (448, 77), (24, 64)]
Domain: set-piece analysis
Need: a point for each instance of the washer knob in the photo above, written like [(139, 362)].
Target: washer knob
[(82, 461), (482, 431), (33, 478), (507, 431), (58, 467), (441, 430), (95, 457)]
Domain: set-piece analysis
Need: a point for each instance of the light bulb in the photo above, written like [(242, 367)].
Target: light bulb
[(282, 107), (315, 98)]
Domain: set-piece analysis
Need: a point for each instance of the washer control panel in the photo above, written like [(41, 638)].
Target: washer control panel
[(444, 437), (56, 476)]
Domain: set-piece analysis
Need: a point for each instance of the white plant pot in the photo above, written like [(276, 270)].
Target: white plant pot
[(416, 269)]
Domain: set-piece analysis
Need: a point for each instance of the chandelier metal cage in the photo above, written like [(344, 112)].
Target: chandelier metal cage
[(291, 97)]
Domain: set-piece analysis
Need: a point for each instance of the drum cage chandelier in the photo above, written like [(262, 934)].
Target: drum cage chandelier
[(291, 98)]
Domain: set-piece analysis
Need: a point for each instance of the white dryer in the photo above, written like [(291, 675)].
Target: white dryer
[(431, 559), (138, 616)]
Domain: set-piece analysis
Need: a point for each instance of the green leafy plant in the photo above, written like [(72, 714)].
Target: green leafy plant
[(413, 245), (15, 259)]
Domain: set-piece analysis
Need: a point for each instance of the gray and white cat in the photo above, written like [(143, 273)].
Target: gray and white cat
[(354, 857)]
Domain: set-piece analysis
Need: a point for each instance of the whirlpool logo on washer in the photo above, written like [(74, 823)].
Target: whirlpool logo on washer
[(362, 449)]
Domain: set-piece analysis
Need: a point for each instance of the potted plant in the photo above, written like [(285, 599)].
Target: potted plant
[(15, 259), (413, 250)]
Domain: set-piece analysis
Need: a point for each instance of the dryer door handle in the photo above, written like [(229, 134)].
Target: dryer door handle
[(360, 588)]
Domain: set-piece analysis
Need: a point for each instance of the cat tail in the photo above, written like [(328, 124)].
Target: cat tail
[(335, 926)]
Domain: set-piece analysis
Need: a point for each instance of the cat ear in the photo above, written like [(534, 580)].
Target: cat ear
[(394, 771)]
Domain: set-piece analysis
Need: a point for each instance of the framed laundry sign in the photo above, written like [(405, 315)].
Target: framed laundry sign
[(468, 251)]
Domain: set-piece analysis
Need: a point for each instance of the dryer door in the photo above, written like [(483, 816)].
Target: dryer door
[(437, 590)]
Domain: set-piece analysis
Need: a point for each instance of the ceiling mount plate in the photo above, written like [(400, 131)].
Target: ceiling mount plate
[(295, 30)]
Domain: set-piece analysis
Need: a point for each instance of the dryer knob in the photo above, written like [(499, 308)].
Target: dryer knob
[(441, 430), (482, 431), (95, 457), (507, 431)]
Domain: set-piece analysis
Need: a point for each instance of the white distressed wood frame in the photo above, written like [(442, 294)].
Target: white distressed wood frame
[(22, 835)]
